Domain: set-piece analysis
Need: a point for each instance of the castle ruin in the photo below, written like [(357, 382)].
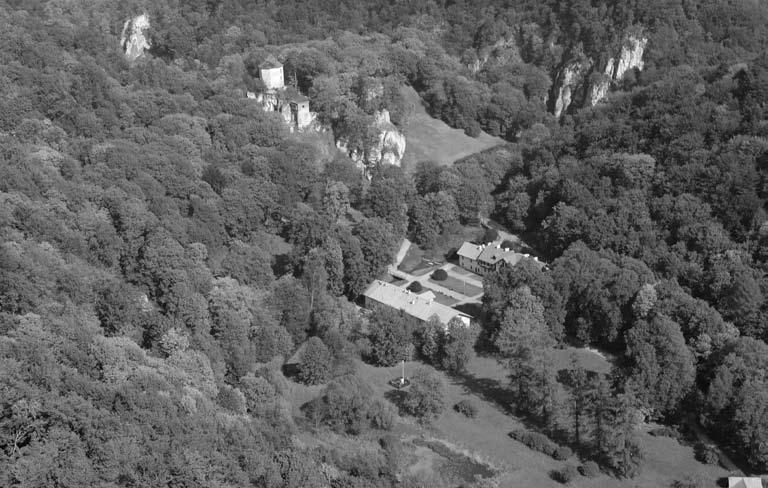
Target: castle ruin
[(292, 105)]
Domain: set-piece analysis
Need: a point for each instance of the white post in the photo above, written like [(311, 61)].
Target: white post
[(402, 380)]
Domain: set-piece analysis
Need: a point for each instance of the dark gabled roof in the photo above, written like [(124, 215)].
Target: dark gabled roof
[(270, 63)]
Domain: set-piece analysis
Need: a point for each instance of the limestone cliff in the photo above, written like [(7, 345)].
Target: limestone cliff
[(388, 148), (631, 56), (582, 81), (133, 39), (391, 146), (568, 81)]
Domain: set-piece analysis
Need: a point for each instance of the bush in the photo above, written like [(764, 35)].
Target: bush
[(590, 469), (507, 244), (562, 453), (565, 475), (535, 441), (382, 415), (415, 287), (439, 275), (666, 432), (707, 453), (691, 481), (489, 235), (466, 408)]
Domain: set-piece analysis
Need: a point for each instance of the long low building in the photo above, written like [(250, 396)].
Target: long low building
[(421, 307)]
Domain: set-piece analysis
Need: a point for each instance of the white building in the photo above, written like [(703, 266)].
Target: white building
[(737, 482), (421, 307), (271, 74)]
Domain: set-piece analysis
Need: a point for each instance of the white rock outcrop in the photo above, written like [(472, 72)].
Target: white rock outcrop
[(133, 40), (631, 56), (579, 81), (388, 149), (569, 80), (600, 87), (391, 146)]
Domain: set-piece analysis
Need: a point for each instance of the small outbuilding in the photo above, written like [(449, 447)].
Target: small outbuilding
[(742, 482)]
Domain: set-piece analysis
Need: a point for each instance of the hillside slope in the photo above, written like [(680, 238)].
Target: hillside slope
[(432, 139)]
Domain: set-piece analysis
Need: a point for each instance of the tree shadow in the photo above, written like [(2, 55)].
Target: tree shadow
[(490, 390), (282, 264), (397, 397), (500, 395)]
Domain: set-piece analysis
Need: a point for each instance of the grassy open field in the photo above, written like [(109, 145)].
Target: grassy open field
[(486, 436), (432, 139)]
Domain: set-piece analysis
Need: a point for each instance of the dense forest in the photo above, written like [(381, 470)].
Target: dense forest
[(166, 245)]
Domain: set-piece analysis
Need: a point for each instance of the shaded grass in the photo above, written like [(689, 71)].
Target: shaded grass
[(487, 434), (442, 297)]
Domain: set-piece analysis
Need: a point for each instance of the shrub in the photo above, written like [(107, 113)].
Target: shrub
[(507, 244), (690, 481), (707, 453), (590, 469), (562, 453), (466, 408), (666, 432), (439, 275), (415, 287), (382, 415), (534, 440), (489, 235), (566, 474)]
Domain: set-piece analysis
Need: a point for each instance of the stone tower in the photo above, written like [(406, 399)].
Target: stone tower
[(271, 73)]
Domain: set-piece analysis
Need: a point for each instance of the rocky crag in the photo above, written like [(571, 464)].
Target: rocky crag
[(134, 40), (388, 148), (582, 81)]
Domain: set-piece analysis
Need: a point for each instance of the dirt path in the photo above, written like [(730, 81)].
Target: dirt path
[(404, 246)]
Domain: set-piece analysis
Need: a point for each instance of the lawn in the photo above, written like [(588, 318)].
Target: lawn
[(459, 286), (461, 271), (441, 297), (486, 436), (428, 138)]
